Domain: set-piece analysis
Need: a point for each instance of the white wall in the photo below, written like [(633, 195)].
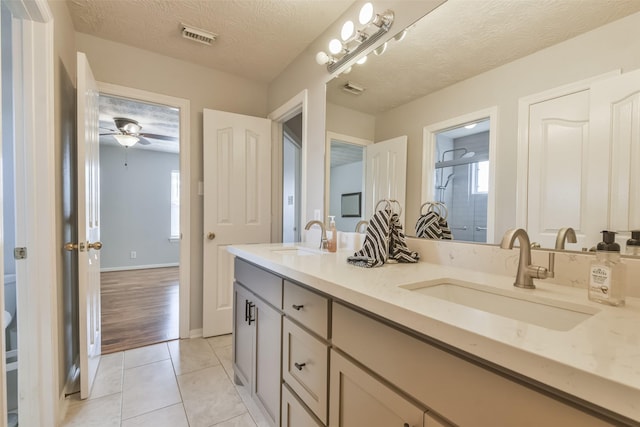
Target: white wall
[(135, 208), (345, 179), (604, 49), (350, 122), (204, 88)]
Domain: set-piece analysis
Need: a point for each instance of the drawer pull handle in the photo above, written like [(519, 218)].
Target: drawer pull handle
[(297, 307), (299, 366)]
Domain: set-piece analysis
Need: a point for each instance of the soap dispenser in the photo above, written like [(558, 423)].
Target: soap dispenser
[(333, 241), (633, 244), (606, 275)]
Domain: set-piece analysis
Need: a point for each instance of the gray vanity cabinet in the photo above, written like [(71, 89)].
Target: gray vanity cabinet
[(359, 399), (257, 336)]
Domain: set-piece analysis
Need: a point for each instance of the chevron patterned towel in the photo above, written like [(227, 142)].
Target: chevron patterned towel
[(446, 231), (428, 226), (384, 239)]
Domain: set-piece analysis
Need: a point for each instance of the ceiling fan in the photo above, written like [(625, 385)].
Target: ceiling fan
[(128, 133)]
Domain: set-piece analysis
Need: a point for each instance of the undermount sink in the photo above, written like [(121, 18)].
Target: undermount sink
[(298, 251), (540, 311)]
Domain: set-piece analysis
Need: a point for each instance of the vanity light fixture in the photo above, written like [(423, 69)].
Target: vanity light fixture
[(355, 41), (126, 140)]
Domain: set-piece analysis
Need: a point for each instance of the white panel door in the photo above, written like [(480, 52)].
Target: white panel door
[(88, 226), (615, 124), (558, 160), (237, 204), (386, 174)]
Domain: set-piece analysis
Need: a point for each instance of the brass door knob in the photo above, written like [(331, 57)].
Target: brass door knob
[(74, 246), (211, 235), (97, 246)]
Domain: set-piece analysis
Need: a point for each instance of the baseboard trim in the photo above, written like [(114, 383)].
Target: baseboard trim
[(195, 333), (139, 267)]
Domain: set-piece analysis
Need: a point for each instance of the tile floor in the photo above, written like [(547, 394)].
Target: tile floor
[(177, 383)]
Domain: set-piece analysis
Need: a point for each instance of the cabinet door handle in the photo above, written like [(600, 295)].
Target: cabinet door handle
[(246, 310), (251, 307), (297, 307), (299, 366)]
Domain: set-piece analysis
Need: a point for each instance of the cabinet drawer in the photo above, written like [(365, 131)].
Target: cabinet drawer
[(266, 285), (294, 413), (307, 307), (359, 399), (304, 367)]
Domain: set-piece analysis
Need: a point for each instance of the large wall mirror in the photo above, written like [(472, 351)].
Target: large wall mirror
[(470, 56)]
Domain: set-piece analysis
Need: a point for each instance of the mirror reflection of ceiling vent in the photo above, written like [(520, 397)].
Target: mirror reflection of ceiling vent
[(353, 88), (198, 35)]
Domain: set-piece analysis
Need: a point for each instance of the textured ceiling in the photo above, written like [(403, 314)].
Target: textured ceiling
[(257, 38), (463, 38), (154, 119)]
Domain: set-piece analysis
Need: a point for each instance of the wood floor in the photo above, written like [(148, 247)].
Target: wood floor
[(139, 307)]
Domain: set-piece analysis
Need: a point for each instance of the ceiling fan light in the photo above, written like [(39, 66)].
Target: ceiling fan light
[(126, 140)]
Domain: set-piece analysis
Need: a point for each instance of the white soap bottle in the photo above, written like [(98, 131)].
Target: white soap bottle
[(606, 275), (332, 245)]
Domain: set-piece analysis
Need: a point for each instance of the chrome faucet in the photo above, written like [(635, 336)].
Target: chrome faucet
[(324, 243), (566, 234), (360, 224), (526, 271)]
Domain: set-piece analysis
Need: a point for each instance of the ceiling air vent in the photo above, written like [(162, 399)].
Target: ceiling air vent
[(353, 88), (198, 35)]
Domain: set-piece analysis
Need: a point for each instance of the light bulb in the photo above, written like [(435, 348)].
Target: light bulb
[(470, 126), (335, 46), (347, 30), (126, 140), (366, 14), (362, 60), (322, 58), (347, 71), (400, 36), (380, 49)]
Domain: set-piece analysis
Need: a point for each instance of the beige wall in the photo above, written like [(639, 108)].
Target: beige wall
[(205, 88), (607, 48), (350, 122), (65, 136)]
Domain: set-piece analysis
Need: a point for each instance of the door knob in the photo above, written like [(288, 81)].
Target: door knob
[(97, 246), (211, 235), (69, 246)]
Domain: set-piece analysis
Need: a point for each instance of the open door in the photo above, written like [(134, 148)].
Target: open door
[(88, 213), (237, 205), (386, 174)]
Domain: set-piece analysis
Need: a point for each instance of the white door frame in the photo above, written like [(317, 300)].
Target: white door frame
[(291, 108), (327, 164), (185, 187), (35, 181), (428, 159)]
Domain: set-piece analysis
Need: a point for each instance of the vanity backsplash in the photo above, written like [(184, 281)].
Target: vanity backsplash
[(571, 268)]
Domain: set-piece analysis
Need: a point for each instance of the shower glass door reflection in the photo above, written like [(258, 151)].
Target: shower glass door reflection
[(462, 179)]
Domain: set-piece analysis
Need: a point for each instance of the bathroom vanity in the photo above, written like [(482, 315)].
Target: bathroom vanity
[(320, 342)]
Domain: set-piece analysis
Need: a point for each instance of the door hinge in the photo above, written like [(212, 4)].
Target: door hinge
[(20, 253)]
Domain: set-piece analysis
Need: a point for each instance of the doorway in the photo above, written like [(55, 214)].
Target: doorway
[(146, 216), (458, 174), (291, 176)]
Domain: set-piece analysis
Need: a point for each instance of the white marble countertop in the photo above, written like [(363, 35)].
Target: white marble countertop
[(598, 360)]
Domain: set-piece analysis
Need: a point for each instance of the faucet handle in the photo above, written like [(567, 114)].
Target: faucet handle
[(535, 245), (537, 272)]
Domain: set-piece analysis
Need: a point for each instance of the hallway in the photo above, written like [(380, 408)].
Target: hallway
[(172, 384)]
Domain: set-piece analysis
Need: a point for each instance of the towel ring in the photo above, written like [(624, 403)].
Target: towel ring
[(437, 207), (392, 201), (387, 204)]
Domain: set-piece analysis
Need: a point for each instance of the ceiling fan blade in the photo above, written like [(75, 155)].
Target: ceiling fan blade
[(160, 137), (143, 141)]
